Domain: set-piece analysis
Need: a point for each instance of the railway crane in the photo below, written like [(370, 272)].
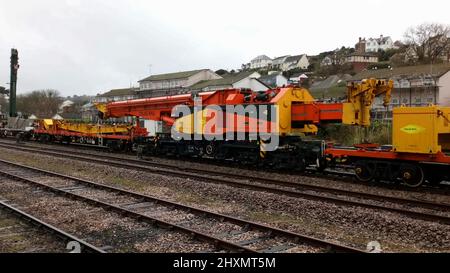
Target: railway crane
[(290, 114)]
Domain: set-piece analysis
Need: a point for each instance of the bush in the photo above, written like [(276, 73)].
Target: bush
[(378, 132), (380, 65)]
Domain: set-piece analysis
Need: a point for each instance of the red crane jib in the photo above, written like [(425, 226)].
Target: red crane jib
[(160, 108), (317, 112)]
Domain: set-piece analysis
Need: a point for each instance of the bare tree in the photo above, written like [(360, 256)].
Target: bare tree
[(427, 42), (4, 105), (42, 103)]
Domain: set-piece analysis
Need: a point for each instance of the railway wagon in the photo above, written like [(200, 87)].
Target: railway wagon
[(15, 127), (420, 150), (116, 137)]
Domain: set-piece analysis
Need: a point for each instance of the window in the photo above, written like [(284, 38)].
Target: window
[(395, 101), (405, 101)]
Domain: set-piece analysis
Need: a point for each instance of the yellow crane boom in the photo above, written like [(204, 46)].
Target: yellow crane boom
[(360, 98)]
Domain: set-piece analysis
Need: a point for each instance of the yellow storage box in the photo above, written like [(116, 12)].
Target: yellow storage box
[(424, 130)]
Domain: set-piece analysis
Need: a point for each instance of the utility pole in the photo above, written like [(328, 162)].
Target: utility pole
[(13, 82)]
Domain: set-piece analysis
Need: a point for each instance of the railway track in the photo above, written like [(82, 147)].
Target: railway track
[(341, 175), (53, 231), (414, 208), (224, 231)]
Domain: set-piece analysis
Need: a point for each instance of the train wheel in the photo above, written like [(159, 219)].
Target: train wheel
[(412, 175), (364, 171)]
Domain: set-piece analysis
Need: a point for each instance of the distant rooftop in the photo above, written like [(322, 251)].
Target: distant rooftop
[(119, 92), (294, 58), (172, 76), (381, 39), (435, 70), (280, 58), (227, 80), (261, 57)]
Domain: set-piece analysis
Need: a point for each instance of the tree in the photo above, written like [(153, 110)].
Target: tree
[(4, 105), (42, 103), (221, 72), (385, 55), (427, 42)]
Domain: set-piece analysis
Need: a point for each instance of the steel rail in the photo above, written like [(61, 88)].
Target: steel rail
[(342, 176), (114, 161), (67, 237), (296, 237), (278, 182)]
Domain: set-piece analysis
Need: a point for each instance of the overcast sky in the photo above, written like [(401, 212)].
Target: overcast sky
[(91, 46)]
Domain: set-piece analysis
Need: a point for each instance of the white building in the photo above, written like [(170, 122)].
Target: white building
[(262, 61), (274, 79), (361, 58), (66, 104), (326, 61), (298, 61), (278, 62), (382, 43), (176, 80), (298, 78)]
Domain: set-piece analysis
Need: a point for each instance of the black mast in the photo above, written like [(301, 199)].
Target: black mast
[(13, 82)]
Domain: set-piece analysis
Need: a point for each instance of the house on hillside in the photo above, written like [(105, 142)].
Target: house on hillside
[(413, 86), (173, 83), (246, 79), (69, 110), (274, 79), (361, 61), (372, 45), (277, 62), (381, 43), (262, 61), (328, 60), (66, 105), (293, 62), (298, 78)]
